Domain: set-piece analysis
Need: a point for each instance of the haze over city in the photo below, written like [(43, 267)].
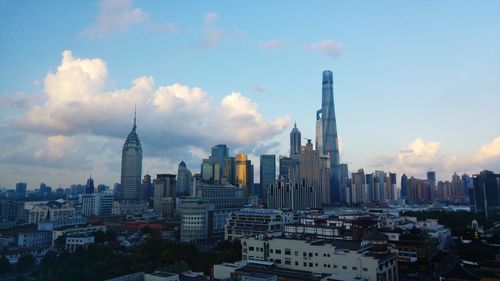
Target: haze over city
[(416, 84)]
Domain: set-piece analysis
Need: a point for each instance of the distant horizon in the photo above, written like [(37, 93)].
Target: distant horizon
[(416, 85)]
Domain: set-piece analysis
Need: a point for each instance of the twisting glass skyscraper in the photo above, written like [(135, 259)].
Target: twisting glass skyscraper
[(131, 166), (329, 139)]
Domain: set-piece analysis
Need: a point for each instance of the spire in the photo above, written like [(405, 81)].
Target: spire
[(135, 114)]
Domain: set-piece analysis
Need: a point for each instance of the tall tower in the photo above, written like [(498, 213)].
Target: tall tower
[(329, 138), (295, 137), (131, 166), (244, 174)]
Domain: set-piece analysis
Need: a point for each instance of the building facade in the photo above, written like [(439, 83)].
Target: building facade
[(131, 170)]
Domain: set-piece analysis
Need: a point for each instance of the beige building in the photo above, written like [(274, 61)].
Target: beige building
[(310, 168), (53, 211), (341, 260)]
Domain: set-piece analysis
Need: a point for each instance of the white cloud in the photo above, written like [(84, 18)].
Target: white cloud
[(115, 16), (171, 118), (271, 44), (213, 35), (420, 156), (328, 47)]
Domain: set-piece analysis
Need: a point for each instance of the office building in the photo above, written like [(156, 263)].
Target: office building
[(21, 190), (53, 210), (296, 196), (97, 204), (419, 191), (345, 182), (331, 259), (244, 174), (164, 187), (219, 152), (485, 196), (147, 188), (89, 187), (195, 220), (184, 180), (295, 140), (267, 172), (358, 187), (250, 222), (229, 170), (289, 169), (404, 186), (328, 134), (310, 166), (131, 170)]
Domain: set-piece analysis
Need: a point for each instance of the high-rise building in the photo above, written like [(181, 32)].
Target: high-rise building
[(404, 186), (229, 170), (431, 178), (467, 184), (379, 181), (310, 165), (21, 189), (244, 174), (267, 171), (289, 169), (295, 196), (89, 187), (147, 188), (295, 138), (358, 187), (390, 190), (184, 179), (219, 152), (164, 193), (485, 197), (131, 166), (97, 204), (369, 188), (419, 191), (344, 181), (329, 139), (457, 188)]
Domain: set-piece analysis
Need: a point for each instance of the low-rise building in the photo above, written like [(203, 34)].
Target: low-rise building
[(34, 239), (53, 210), (251, 222), (73, 242), (80, 230), (339, 259)]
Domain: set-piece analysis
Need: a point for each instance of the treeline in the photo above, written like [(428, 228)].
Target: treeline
[(457, 222), (100, 262)]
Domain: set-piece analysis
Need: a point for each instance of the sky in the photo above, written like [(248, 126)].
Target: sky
[(417, 84)]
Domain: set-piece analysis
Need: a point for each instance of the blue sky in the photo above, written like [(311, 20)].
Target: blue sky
[(417, 84)]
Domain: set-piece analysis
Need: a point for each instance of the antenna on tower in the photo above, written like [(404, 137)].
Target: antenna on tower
[(135, 115)]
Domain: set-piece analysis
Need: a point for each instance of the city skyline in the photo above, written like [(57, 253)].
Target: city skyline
[(53, 130)]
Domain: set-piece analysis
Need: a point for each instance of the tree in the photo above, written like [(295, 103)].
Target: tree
[(5, 265), (25, 262)]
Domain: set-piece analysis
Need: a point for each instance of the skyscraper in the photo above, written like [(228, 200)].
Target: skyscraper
[(184, 179), (295, 138), (219, 152), (267, 171), (404, 186), (131, 166), (310, 165), (485, 196), (244, 174), (329, 140), (89, 188)]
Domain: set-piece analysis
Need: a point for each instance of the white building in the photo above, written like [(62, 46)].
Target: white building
[(34, 239), (54, 210), (250, 222), (81, 230), (195, 214), (341, 260), (73, 242), (97, 204)]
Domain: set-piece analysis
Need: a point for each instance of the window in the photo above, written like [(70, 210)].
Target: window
[(365, 269), (344, 267), (334, 266), (271, 251), (277, 261), (310, 264), (288, 252), (288, 261), (310, 254), (278, 251), (296, 263), (296, 253), (250, 248), (316, 254), (305, 264), (354, 268), (316, 264)]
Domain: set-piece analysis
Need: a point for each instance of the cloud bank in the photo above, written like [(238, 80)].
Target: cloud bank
[(328, 47), (172, 119)]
